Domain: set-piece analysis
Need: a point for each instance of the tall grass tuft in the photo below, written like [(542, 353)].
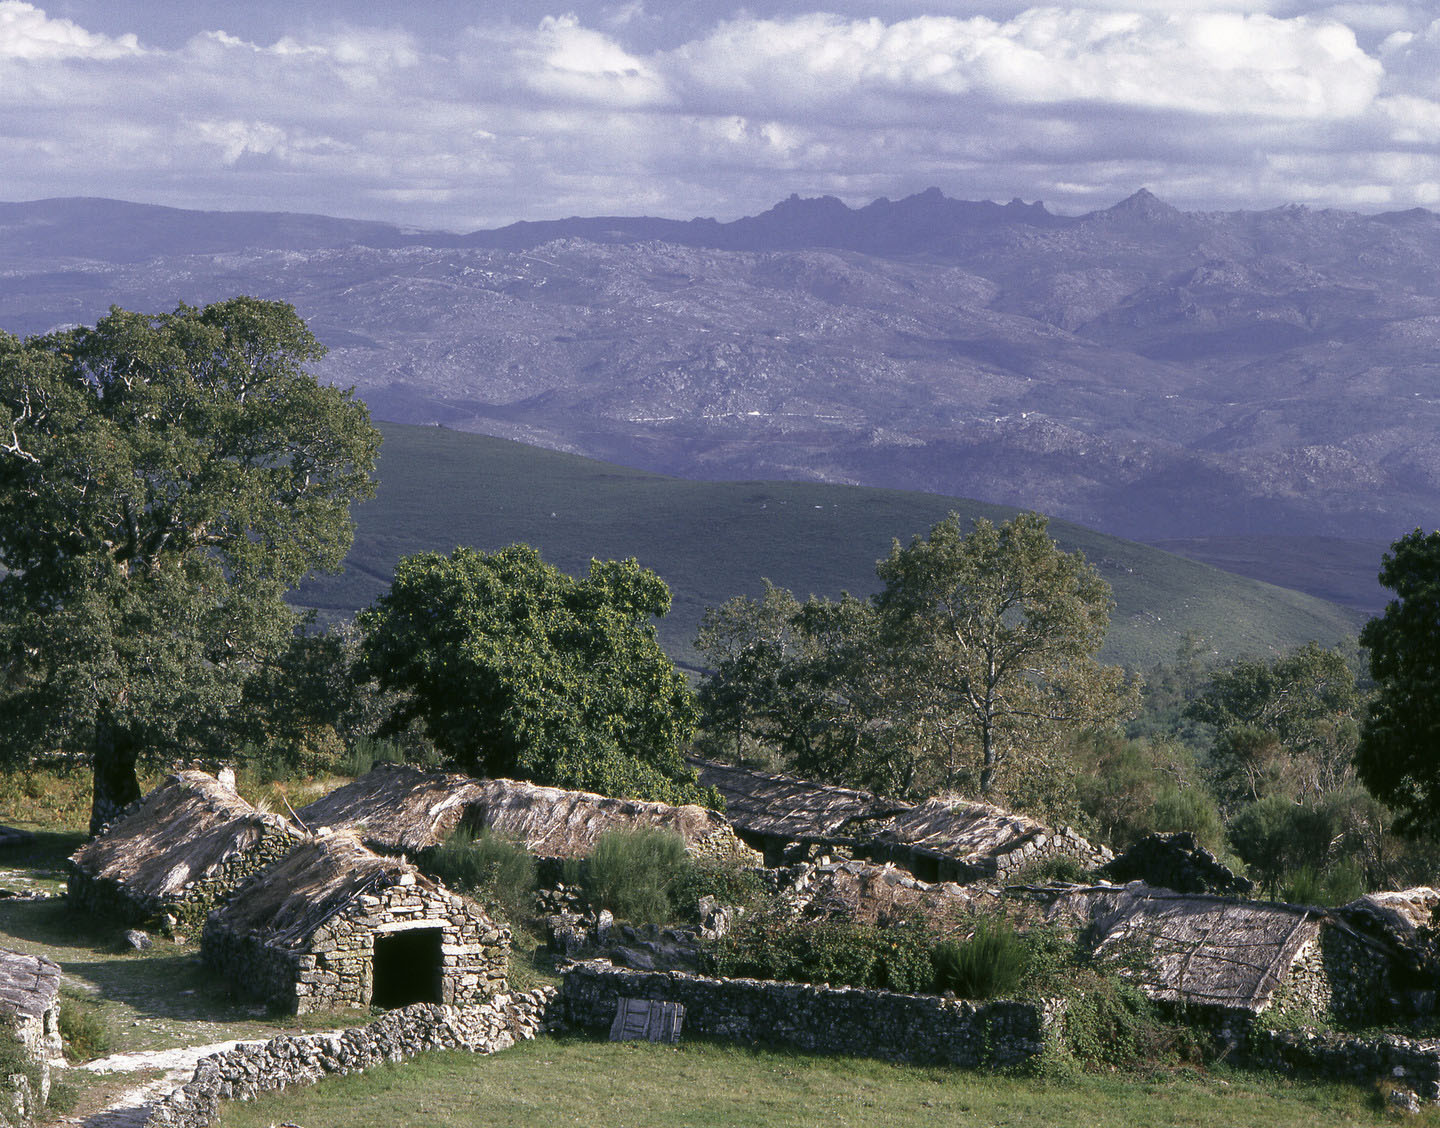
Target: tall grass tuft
[(490, 866), (84, 1033), (991, 962), (636, 874)]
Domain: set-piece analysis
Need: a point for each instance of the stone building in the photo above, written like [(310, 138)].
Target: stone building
[(938, 840), (335, 924), (29, 1014), (176, 852), (1234, 957), (399, 809)]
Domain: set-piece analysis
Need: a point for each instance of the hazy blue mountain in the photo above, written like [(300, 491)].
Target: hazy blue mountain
[(1150, 372)]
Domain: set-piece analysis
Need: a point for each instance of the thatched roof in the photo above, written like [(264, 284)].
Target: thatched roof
[(396, 808), (182, 831), (284, 904), (1198, 949), (798, 810), (965, 832), (565, 824)]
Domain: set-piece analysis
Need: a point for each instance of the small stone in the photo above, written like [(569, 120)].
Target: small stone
[(138, 940)]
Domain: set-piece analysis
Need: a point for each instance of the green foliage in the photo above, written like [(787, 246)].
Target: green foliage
[(1193, 809), (166, 481), (367, 751), (1282, 727), (519, 670), (980, 645), (1056, 868), (83, 1031), (1109, 1023), (1128, 788), (636, 874), (490, 866), (728, 883), (1396, 758), (837, 951), (990, 964), (1276, 836)]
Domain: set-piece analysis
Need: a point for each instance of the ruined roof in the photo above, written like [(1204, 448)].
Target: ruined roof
[(964, 831), (395, 807), (1196, 948), (1396, 919), (796, 809), (183, 830), (284, 904), (28, 984), (565, 824)]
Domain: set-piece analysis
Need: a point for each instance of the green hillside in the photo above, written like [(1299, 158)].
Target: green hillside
[(712, 540)]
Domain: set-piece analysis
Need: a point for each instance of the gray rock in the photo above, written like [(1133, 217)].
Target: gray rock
[(138, 940)]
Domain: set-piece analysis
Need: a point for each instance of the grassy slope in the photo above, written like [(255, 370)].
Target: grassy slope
[(712, 540)]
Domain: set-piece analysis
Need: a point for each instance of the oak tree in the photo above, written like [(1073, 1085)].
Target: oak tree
[(518, 669), (164, 480)]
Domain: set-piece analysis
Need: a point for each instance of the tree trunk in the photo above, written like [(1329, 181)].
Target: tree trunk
[(117, 784)]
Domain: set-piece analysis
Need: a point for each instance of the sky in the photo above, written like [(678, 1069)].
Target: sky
[(460, 115)]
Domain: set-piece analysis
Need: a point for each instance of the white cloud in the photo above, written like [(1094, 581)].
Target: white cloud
[(1215, 104), (26, 32)]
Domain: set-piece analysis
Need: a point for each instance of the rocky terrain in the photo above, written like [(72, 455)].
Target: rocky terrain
[(1149, 372)]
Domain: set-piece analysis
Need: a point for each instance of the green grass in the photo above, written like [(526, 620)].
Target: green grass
[(575, 1080), (713, 540)]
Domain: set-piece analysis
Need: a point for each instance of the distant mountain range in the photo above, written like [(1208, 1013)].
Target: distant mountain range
[(1265, 378)]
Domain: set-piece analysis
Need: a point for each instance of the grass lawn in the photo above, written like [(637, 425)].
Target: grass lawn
[(575, 1080)]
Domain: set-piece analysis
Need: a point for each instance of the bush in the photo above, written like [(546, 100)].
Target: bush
[(772, 945), (85, 1034), (366, 752), (728, 883), (992, 962), (1056, 868), (636, 874), (489, 865)]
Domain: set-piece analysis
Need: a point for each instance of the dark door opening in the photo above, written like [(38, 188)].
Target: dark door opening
[(407, 968)]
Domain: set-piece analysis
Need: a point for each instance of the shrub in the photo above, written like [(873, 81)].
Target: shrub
[(636, 873), (85, 1034), (1056, 868), (489, 865), (993, 961), (366, 752), (772, 945), (728, 883)]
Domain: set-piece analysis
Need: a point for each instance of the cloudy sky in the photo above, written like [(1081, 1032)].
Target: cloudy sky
[(462, 114)]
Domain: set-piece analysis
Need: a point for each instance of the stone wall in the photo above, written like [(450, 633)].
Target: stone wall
[(241, 1073), (1336, 977), (1407, 1062), (108, 899), (335, 965), (882, 1024)]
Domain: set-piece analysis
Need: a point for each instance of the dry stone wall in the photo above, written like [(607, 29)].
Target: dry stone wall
[(1336, 977), (839, 1020), (335, 965), (1407, 1062), (247, 1070)]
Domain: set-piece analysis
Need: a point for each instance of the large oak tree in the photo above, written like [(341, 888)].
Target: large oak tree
[(164, 480)]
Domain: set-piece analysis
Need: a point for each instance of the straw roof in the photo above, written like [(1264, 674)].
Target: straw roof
[(798, 810), (182, 831), (283, 905), (1198, 949), (965, 831), (557, 823), (396, 808)]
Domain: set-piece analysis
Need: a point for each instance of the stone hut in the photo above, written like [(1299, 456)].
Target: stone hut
[(939, 840), (177, 852), (1234, 957), (30, 1013), (335, 924), (399, 809)]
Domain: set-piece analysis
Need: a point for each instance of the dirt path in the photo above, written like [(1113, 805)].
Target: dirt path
[(129, 1108)]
